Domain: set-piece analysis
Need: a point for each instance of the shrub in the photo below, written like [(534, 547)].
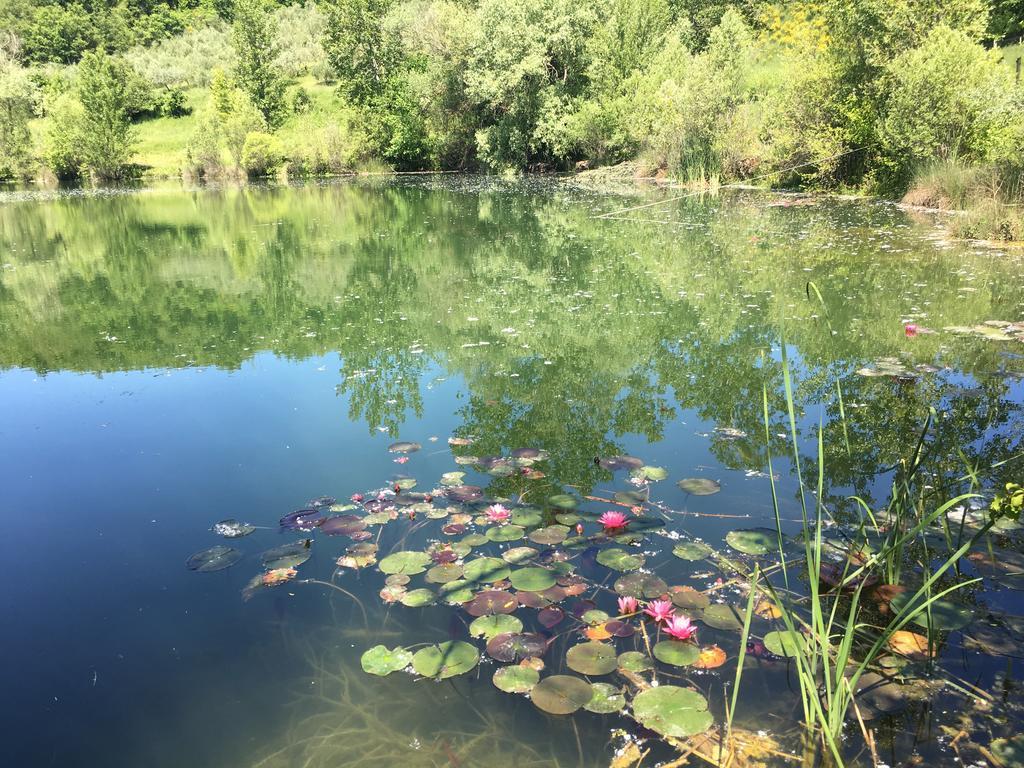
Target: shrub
[(301, 100), (61, 147), (949, 98), (203, 153), (173, 103), (106, 139), (261, 154), (18, 98)]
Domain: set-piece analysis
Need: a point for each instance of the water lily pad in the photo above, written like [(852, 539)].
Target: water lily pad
[(342, 525), (287, 555), (690, 599), (786, 643), (721, 616), (474, 540), (591, 658), (456, 592), (448, 659), (550, 617), (532, 579), (878, 695), (640, 585), (404, 447), (418, 598), (464, 493), (213, 559), (634, 661), (652, 474), (561, 694), (527, 517), (445, 573), (495, 624), (451, 479), (502, 533), (302, 519), (232, 529), (632, 498), (672, 711), (515, 679), (515, 646), (753, 541), (676, 653), (382, 661), (492, 601), (700, 486), (563, 501), (551, 535), (409, 563), (486, 570), (711, 657), (605, 700), (945, 614), (519, 555), (615, 463), (691, 551), (619, 559)]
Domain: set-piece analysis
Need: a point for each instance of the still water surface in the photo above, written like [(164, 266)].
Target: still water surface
[(172, 358)]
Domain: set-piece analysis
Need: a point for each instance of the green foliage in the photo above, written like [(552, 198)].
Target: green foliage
[(61, 148), (18, 99), (362, 53), (261, 154), (254, 38), (949, 98), (186, 60), (107, 93), (172, 103)]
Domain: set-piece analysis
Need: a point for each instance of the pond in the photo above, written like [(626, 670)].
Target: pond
[(446, 370)]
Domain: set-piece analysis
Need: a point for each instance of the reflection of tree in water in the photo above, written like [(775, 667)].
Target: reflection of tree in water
[(569, 333)]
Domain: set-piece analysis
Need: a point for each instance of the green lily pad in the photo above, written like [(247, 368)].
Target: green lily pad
[(527, 517), (672, 711), (676, 652), (474, 540), (605, 700), (700, 486), (515, 679), (404, 447), (382, 661), (722, 616), (753, 541), (552, 534), (619, 559), (519, 555), (563, 501), (532, 579), (515, 646), (286, 556), (452, 479), (785, 643), (640, 585), (409, 563), (406, 483), (418, 598), (486, 570), (215, 559), (690, 599), (945, 614), (444, 574), (595, 616), (448, 659), (632, 498), (653, 474), (561, 694), (692, 550), (502, 533), (568, 518), (495, 624), (634, 661), (591, 658), (456, 592)]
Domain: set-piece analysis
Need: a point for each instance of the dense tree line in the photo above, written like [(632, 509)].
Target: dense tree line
[(867, 93)]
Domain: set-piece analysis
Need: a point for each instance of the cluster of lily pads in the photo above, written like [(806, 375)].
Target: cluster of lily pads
[(563, 597)]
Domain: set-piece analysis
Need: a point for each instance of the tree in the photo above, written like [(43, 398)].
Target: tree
[(106, 137), (17, 103), (360, 51), (254, 37)]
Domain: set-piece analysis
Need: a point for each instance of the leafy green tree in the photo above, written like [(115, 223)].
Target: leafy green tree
[(18, 97), (362, 53), (254, 37), (107, 139), (1007, 18)]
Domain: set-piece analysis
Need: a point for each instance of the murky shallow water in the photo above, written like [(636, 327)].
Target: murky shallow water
[(174, 358)]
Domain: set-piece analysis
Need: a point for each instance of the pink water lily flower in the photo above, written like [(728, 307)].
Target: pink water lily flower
[(659, 610), (628, 605), (496, 513), (910, 329), (613, 521), (356, 497), (680, 627), (401, 460)]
